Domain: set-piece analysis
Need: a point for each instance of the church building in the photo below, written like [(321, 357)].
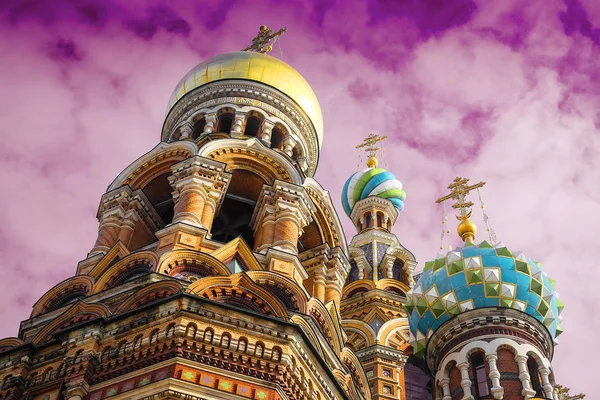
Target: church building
[(221, 271)]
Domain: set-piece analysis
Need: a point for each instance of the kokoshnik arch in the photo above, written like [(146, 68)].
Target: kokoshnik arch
[(221, 271)]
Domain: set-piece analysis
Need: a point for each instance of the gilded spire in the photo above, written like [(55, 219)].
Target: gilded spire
[(263, 42), (459, 189), (369, 146)]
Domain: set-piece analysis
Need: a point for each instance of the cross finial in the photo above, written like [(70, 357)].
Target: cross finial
[(459, 189), (263, 42), (369, 146)]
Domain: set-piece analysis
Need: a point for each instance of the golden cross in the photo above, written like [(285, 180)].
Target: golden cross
[(369, 144), (458, 191), (262, 43)]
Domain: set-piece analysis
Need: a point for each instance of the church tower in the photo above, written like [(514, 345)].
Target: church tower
[(381, 274), (219, 264), (485, 318)]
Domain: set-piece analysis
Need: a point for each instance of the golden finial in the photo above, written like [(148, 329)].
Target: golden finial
[(368, 145), (459, 189), (262, 43)]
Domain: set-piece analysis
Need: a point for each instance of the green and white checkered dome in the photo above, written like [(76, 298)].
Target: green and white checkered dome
[(479, 276)]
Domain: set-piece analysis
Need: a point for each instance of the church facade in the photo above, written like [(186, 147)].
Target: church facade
[(221, 271)]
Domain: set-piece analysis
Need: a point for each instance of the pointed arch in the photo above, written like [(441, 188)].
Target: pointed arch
[(74, 288), (150, 293), (82, 309), (238, 290)]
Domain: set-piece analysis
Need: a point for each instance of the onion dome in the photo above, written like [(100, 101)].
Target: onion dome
[(258, 67), (372, 181), (479, 276)]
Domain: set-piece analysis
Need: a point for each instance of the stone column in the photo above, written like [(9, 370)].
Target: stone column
[(527, 391), (279, 216), (548, 389), (238, 124), (186, 131), (211, 120), (446, 389), (265, 136), (319, 281), (497, 390), (465, 382), (120, 212), (288, 145), (199, 186)]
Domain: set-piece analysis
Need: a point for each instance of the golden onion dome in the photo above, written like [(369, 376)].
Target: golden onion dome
[(254, 67)]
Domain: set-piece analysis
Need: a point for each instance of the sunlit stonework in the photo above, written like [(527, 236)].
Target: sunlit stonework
[(221, 271)]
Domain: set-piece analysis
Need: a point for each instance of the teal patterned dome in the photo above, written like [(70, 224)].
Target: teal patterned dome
[(478, 276), (372, 182)]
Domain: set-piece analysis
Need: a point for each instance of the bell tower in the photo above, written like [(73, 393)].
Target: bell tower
[(219, 263)]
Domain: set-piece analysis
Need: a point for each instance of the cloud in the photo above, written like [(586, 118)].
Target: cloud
[(505, 92)]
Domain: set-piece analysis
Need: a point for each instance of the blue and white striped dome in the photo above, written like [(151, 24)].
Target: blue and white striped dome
[(372, 182)]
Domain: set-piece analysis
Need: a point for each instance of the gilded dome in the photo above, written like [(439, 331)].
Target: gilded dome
[(254, 67), (479, 276)]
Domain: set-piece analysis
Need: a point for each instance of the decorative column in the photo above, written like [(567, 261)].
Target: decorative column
[(446, 389), (281, 213), (327, 270), (199, 186), (497, 390), (548, 389), (121, 211), (288, 145), (185, 131), (465, 382), (238, 124), (319, 280), (211, 120), (527, 391), (267, 128)]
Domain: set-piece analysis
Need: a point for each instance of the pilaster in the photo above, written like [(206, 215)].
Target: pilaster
[(238, 124)]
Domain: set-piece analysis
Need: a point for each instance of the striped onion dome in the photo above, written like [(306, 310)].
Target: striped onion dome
[(372, 182), (480, 276)]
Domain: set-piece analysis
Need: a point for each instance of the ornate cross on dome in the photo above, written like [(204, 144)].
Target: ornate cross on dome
[(369, 146), (263, 42), (459, 189)]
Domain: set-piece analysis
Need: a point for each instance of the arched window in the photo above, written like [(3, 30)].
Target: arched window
[(137, 343), (397, 270), (380, 220), (190, 331), (534, 375), (159, 192), (253, 125), (369, 220), (276, 354), (154, 337), (354, 273), (170, 331), (242, 345), (480, 376), (208, 335), (225, 120), (225, 340), (259, 349), (277, 136)]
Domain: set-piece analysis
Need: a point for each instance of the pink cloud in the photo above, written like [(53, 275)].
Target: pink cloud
[(502, 92)]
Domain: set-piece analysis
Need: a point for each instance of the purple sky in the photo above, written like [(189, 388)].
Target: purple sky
[(504, 91)]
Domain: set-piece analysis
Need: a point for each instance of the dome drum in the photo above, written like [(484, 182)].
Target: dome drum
[(250, 81)]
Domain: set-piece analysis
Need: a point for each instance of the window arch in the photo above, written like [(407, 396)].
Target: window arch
[(380, 223), (478, 368), (225, 340), (242, 345), (276, 354), (259, 349), (190, 331), (208, 335), (153, 337), (225, 118), (369, 221), (278, 134), (534, 376), (170, 331), (254, 123)]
